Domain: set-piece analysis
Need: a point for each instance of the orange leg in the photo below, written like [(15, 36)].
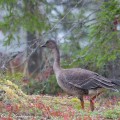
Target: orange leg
[(82, 102), (92, 103)]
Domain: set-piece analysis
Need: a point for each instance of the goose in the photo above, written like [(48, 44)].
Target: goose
[(77, 81)]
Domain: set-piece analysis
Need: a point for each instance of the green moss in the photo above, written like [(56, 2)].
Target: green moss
[(112, 113), (13, 93)]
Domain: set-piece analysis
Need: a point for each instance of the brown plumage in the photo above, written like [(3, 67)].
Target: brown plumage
[(77, 81)]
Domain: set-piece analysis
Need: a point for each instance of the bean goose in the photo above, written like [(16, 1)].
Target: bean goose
[(78, 81)]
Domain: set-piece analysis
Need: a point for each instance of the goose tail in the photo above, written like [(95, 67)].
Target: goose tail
[(116, 84)]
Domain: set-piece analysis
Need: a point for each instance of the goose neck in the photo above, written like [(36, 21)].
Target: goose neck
[(56, 54)]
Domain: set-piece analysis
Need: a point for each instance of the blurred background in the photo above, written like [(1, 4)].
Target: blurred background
[(86, 31)]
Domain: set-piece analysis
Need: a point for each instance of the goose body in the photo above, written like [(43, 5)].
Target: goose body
[(78, 81)]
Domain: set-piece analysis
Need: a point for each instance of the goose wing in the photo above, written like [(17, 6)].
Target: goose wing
[(85, 79)]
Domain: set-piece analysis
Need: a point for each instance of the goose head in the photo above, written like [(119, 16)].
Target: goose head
[(51, 44)]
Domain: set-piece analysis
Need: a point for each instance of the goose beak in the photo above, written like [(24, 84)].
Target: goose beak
[(43, 45)]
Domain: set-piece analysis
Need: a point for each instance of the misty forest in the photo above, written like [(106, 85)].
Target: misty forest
[(59, 60)]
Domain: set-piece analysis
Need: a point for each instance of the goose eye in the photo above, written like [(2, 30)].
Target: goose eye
[(50, 43)]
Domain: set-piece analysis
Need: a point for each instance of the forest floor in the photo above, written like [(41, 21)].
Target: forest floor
[(16, 105), (44, 107)]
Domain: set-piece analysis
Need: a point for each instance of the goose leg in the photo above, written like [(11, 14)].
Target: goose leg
[(92, 101), (91, 105), (82, 102)]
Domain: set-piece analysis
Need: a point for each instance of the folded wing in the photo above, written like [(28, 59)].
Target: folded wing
[(85, 79)]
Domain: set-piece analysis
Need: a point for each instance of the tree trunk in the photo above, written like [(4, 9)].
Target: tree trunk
[(35, 55)]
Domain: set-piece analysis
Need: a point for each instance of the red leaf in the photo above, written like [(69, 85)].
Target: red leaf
[(66, 117)]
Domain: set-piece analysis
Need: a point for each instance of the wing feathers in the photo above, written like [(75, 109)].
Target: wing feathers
[(94, 82), (106, 83), (85, 79)]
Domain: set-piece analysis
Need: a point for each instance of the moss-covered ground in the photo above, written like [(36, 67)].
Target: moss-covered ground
[(16, 105)]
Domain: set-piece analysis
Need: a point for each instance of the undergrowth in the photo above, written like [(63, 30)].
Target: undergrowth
[(16, 105)]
